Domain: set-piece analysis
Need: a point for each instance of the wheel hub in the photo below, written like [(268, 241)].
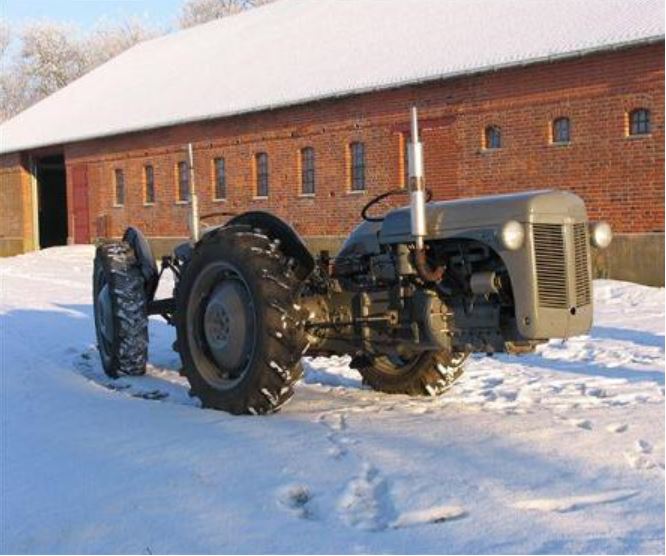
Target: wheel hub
[(228, 326)]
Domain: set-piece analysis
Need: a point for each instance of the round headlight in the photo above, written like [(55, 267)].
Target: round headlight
[(601, 234), (512, 235)]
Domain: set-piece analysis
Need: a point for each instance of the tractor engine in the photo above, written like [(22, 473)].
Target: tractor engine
[(372, 299)]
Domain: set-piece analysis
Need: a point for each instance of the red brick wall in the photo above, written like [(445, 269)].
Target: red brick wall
[(620, 178)]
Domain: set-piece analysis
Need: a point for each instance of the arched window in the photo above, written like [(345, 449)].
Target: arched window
[(492, 137), (561, 132), (639, 121)]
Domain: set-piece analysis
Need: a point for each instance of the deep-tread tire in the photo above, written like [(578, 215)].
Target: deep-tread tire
[(430, 373), (116, 266), (274, 363)]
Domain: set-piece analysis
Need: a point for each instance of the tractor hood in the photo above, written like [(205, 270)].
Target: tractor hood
[(485, 212)]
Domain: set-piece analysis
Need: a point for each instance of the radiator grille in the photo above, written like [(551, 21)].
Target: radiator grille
[(550, 265), (583, 289)]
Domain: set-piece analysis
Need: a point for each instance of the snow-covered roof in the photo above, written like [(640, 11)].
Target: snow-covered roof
[(294, 51)]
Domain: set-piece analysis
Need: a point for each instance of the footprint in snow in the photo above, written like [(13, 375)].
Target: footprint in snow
[(582, 423), (334, 421), (643, 446), (638, 461), (638, 457), (366, 503), (297, 500), (572, 503)]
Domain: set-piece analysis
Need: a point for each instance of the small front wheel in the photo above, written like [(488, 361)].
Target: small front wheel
[(120, 307)]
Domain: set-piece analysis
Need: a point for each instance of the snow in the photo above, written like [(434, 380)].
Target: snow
[(295, 51), (557, 452)]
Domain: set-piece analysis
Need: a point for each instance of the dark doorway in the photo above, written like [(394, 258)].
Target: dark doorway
[(52, 201)]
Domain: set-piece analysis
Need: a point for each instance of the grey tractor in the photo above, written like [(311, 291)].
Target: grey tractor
[(410, 295)]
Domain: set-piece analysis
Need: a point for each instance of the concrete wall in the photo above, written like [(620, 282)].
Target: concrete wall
[(634, 258)]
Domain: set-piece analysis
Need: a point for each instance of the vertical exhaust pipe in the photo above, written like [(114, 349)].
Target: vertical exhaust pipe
[(416, 182), (417, 197), (194, 201)]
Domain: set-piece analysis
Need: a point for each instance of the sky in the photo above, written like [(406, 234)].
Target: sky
[(87, 13)]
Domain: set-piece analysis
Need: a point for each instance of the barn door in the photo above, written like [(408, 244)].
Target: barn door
[(80, 211)]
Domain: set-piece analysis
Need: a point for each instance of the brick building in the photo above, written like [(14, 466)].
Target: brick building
[(309, 120)]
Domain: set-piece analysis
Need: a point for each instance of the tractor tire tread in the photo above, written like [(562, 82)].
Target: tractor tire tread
[(127, 290)]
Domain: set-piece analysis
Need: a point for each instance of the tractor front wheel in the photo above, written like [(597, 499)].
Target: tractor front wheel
[(120, 307), (240, 335)]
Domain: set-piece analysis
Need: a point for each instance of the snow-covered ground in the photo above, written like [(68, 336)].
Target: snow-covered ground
[(562, 451)]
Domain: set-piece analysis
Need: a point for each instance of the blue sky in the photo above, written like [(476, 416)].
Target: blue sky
[(88, 12)]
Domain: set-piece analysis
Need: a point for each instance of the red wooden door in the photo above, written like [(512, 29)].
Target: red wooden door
[(80, 211)]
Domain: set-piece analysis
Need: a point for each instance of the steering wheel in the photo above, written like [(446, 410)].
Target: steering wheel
[(372, 202)]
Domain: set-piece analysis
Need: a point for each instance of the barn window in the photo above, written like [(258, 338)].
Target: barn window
[(357, 168), (220, 179), (120, 187), (183, 182), (149, 191), (561, 131), (639, 122), (261, 163), (307, 171), (492, 137)]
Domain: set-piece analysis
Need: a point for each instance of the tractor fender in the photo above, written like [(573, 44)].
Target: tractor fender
[(145, 259), (275, 227)]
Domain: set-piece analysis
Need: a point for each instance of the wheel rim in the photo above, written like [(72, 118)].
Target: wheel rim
[(227, 325), (222, 325), (104, 318)]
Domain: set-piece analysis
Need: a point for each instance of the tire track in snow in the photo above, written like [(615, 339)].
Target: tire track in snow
[(156, 385)]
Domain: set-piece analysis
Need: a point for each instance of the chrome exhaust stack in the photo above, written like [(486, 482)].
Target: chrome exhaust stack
[(417, 197), (194, 200), (416, 182)]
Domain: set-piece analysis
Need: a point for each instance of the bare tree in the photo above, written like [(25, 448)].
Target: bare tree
[(51, 55), (108, 40), (195, 12), (5, 37)]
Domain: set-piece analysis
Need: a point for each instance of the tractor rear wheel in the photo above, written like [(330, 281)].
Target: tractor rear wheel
[(239, 327), (120, 307), (430, 373)]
